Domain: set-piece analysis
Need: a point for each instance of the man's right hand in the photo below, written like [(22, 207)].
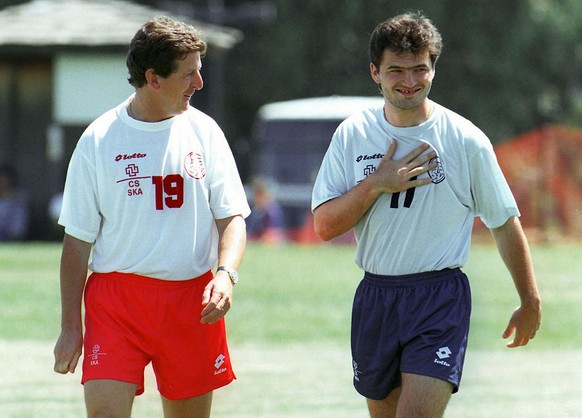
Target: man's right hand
[(339, 215), (68, 350), (393, 176)]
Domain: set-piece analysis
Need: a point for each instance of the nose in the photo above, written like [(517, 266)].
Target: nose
[(197, 81), (409, 78)]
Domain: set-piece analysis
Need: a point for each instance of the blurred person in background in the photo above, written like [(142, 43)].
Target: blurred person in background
[(265, 223), (14, 207)]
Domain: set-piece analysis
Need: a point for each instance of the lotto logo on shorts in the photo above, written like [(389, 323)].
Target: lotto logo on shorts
[(443, 353), (356, 371), (218, 364)]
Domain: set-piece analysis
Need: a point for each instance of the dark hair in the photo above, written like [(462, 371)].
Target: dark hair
[(158, 45), (409, 32)]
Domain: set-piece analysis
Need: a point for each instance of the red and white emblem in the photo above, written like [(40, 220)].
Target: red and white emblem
[(194, 165)]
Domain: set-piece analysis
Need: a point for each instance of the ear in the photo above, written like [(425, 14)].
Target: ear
[(152, 79), (374, 73)]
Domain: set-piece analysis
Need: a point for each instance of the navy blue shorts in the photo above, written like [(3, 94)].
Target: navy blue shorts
[(416, 324)]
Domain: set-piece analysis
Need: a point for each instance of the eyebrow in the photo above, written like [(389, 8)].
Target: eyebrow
[(399, 67)]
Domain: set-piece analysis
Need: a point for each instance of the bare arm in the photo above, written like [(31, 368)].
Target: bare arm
[(513, 247), (74, 260), (339, 215), (217, 298)]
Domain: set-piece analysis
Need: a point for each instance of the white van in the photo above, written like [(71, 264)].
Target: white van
[(290, 139)]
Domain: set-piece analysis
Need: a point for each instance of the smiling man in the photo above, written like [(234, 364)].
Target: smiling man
[(152, 203), (412, 208)]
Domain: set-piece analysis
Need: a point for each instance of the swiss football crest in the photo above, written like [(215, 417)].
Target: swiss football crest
[(437, 174), (194, 165)]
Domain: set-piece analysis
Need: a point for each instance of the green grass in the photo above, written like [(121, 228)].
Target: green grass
[(558, 271), (29, 291), (294, 293), (304, 293), (289, 334)]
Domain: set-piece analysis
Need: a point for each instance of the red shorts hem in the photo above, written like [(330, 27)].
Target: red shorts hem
[(185, 394)]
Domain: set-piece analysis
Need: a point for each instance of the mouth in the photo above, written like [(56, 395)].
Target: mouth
[(408, 92)]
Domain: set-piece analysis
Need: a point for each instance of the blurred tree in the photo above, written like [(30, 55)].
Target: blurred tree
[(509, 66)]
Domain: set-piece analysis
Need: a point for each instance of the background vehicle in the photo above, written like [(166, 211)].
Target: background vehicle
[(289, 141)]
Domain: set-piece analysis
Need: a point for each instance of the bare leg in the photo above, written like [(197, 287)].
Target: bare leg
[(385, 408), (109, 398), (419, 397), (196, 407)]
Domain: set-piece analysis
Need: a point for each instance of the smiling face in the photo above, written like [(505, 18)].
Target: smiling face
[(176, 90), (405, 81)]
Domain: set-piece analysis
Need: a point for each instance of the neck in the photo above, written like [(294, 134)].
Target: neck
[(403, 118), (140, 108)]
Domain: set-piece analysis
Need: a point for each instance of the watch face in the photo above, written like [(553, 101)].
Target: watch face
[(233, 274)]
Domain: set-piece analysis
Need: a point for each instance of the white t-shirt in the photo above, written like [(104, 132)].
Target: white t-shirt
[(147, 194), (427, 228)]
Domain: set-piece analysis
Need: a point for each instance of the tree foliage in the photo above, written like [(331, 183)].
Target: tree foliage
[(509, 66)]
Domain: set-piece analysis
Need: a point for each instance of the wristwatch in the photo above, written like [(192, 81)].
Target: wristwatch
[(232, 273)]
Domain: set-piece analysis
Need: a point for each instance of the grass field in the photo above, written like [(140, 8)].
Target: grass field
[(289, 334)]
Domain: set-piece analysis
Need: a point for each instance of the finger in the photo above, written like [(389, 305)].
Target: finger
[(207, 294), (64, 366), (391, 150), (213, 316), (61, 364), (61, 367), (521, 338), (215, 310), (518, 341), (426, 158), (508, 331), (421, 165), (417, 183), (412, 155), (212, 304), (74, 362), (207, 313), (209, 307), (421, 170)]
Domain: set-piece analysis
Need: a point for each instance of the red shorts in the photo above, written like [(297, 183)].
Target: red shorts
[(132, 320)]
